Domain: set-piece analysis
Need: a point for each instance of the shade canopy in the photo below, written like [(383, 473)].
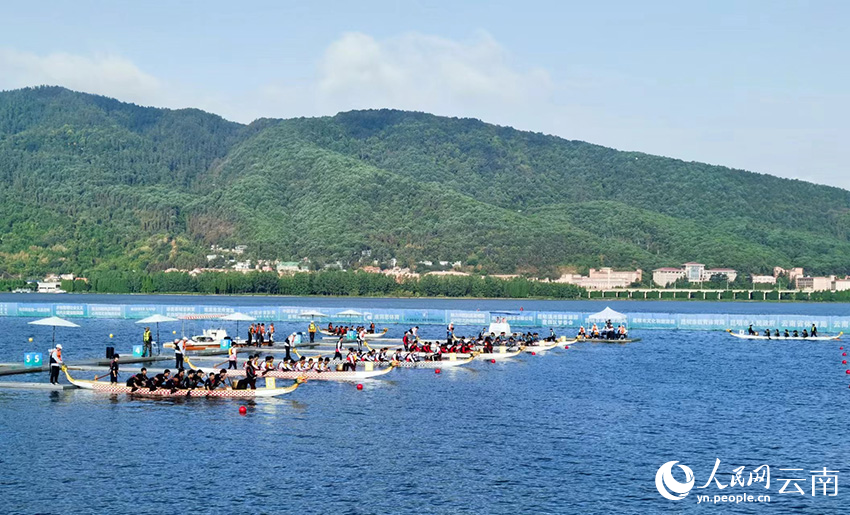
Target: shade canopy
[(608, 314), (156, 319), (349, 313), (312, 314), (54, 322), (238, 317)]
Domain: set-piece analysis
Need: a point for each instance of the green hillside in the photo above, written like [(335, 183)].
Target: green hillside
[(90, 183)]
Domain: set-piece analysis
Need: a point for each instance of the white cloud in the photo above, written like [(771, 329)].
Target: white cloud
[(109, 75), (425, 73)]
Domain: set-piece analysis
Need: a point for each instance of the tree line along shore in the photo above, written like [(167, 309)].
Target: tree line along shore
[(362, 284)]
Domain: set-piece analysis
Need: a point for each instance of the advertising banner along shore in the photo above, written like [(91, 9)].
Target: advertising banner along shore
[(411, 317)]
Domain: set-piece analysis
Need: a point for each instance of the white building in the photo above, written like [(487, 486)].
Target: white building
[(603, 278), (666, 276), (49, 287), (763, 279)]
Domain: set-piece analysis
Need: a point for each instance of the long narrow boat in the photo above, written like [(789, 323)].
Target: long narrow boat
[(501, 352), (602, 340), (540, 345), (327, 335), (444, 363), (270, 390), (365, 370), (783, 338)]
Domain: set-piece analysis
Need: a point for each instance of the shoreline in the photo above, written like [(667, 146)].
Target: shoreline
[(439, 297)]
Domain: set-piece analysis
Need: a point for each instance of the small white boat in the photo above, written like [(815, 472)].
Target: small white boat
[(444, 363)]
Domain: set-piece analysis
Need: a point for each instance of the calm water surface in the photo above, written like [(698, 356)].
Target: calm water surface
[(582, 430)]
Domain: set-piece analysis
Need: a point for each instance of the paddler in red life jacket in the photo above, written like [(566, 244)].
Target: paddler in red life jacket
[(405, 340), (338, 353), (372, 328), (621, 332), (581, 333), (350, 360)]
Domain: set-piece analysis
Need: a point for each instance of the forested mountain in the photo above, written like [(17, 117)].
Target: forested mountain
[(91, 183)]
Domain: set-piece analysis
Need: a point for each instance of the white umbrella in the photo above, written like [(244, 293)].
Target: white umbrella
[(349, 313), (156, 319), (54, 322), (608, 314), (312, 314), (238, 317)]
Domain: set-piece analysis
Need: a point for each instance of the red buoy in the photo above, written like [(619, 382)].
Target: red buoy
[(437, 371), (492, 361), (567, 347), (847, 372), (243, 410), (534, 354), (843, 361), (843, 353), (840, 348), (359, 386)]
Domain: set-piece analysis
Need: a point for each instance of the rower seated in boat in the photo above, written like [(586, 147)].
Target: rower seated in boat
[(582, 333), (622, 334), (551, 337), (751, 331), (382, 355), (776, 333), (805, 334), (786, 334), (159, 380), (267, 365), (397, 356), (767, 333), (301, 364), (350, 361), (285, 365), (139, 380), (796, 334), (437, 355)]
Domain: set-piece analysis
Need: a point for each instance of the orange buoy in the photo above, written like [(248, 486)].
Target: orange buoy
[(243, 410), (359, 386)]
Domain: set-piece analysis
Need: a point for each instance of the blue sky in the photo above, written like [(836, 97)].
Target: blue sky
[(757, 85)]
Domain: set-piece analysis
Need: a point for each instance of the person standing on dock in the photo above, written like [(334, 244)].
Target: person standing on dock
[(312, 331), (814, 332), (147, 340), (179, 349), (231, 358), (338, 353), (55, 363), (113, 369), (287, 346)]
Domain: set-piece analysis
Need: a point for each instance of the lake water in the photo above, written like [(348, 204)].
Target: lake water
[(582, 430)]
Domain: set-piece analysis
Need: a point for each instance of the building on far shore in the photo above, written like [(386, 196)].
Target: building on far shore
[(693, 272), (831, 283), (763, 279), (604, 278)]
